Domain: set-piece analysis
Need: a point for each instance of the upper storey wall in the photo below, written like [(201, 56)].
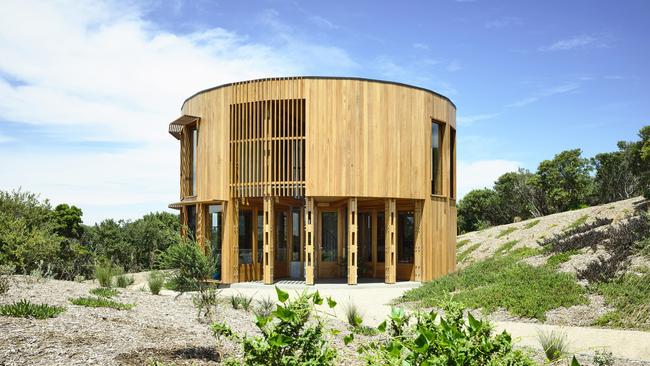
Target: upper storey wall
[(363, 138)]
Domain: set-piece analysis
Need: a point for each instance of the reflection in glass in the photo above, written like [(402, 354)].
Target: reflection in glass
[(281, 236), (381, 237), (245, 237), (405, 237), (215, 223), (330, 236)]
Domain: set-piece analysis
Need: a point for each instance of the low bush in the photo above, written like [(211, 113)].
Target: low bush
[(629, 296), (449, 341), (558, 258), (5, 277), (123, 280), (104, 272), (265, 307), (98, 302), (503, 282), (27, 309), (104, 292), (190, 267), (577, 237), (554, 344), (206, 301), (294, 334), (156, 280)]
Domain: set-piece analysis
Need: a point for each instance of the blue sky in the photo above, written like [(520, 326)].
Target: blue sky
[(87, 87)]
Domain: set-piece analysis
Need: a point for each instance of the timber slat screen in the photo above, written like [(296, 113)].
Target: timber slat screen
[(267, 146)]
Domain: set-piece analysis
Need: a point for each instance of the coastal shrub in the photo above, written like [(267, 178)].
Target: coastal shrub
[(123, 280), (294, 334), (629, 295), (27, 309), (577, 237), (554, 344), (265, 307), (449, 341), (205, 301), (98, 302), (104, 292), (104, 272), (503, 282), (155, 281), (6, 271), (189, 266)]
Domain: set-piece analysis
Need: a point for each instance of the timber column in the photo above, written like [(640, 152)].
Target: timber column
[(352, 241), (267, 240), (390, 272), (200, 227), (309, 240), (418, 234)]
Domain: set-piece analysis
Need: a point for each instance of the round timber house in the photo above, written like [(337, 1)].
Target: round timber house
[(319, 178)]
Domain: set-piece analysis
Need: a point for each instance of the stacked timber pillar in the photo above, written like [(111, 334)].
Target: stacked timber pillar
[(352, 241), (309, 240), (268, 240), (200, 227), (184, 221), (391, 241)]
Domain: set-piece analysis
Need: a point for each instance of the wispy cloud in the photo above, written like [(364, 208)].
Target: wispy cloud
[(322, 22), (421, 46), (545, 93), (471, 119), (4, 138), (503, 22), (577, 42), (454, 66)]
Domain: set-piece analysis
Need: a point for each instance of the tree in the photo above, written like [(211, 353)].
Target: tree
[(519, 195), (614, 178), (565, 180), (108, 240), (67, 221), (152, 234), (478, 209), (640, 153)]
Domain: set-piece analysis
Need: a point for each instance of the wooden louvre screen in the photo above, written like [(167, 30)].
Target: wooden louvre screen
[(267, 148)]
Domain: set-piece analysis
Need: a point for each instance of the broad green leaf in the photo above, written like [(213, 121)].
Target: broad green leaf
[(382, 326), (317, 299), (574, 362), (330, 302), (282, 295), (348, 338)]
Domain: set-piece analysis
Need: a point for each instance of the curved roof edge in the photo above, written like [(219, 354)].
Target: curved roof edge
[(322, 77)]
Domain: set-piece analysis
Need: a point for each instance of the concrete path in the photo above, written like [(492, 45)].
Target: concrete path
[(373, 299)]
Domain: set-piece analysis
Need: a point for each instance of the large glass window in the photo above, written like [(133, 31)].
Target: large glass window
[(195, 142), (405, 237), (281, 236), (295, 234), (215, 223), (329, 236), (365, 236), (381, 237), (436, 159), (245, 237), (452, 164)]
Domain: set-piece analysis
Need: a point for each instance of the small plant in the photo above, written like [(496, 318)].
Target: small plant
[(6, 271), (531, 224), (235, 301), (603, 358), (206, 301), (98, 302), (558, 258), (505, 247), (505, 232), (104, 292), (461, 243), (464, 255), (27, 309), (104, 272), (265, 307), (579, 222), (293, 334), (79, 278), (353, 315), (156, 281), (241, 301), (123, 280), (554, 344), (189, 265)]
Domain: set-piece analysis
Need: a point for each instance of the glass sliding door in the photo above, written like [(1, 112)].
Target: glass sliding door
[(328, 265), (215, 232)]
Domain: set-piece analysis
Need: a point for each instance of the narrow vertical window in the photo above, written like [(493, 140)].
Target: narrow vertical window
[(195, 142), (452, 163), (436, 158)]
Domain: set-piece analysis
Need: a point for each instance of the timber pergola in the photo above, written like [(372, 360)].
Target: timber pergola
[(319, 178)]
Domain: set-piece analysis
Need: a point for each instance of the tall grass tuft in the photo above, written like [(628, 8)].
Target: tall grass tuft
[(123, 280), (265, 307), (156, 281), (353, 315), (554, 344), (104, 272)]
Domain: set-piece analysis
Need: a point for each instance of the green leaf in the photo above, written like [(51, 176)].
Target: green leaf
[(330, 302), (382, 326), (279, 340), (282, 295), (283, 313), (335, 332), (473, 322), (574, 362), (348, 338), (318, 300)]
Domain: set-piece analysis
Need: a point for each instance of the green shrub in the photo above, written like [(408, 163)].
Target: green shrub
[(206, 301), (558, 258), (98, 302), (629, 296), (6, 271), (505, 232), (26, 309), (503, 281), (464, 255), (579, 222), (353, 315), (554, 344), (450, 341), (155, 281), (293, 334), (190, 267), (603, 358), (104, 272), (104, 292), (123, 280)]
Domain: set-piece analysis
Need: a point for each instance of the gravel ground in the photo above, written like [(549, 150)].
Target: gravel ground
[(162, 328)]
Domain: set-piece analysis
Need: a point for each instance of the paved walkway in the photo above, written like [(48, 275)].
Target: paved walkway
[(373, 300)]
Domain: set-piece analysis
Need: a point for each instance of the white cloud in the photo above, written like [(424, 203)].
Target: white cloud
[(545, 93), (420, 46), (322, 22), (108, 74), (4, 138), (575, 42), (471, 119), (482, 173)]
